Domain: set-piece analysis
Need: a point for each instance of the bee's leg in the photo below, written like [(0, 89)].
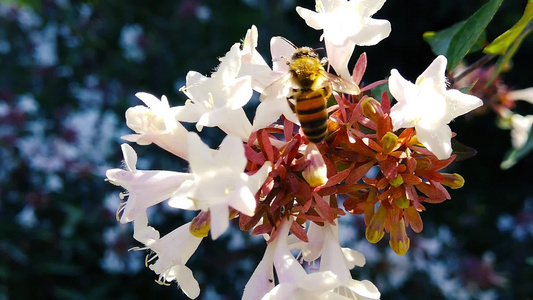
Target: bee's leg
[(287, 61), (324, 61)]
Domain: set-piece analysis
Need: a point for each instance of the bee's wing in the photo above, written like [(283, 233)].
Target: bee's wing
[(342, 85), (278, 89)]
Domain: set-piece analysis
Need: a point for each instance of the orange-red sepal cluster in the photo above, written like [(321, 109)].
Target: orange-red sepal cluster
[(405, 173), (385, 175)]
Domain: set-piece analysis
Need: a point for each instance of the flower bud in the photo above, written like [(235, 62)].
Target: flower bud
[(454, 181), (389, 142), (374, 230), (399, 242), (316, 173), (402, 202), (372, 109), (201, 224), (396, 182)]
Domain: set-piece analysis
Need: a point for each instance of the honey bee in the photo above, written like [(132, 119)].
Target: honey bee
[(310, 87)]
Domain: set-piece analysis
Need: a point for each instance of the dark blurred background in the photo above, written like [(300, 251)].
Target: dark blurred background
[(70, 69)]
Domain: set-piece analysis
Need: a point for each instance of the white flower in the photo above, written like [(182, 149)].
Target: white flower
[(273, 105), (520, 128), (294, 282), (346, 24), (142, 232), (344, 21), (525, 95), (314, 286), (324, 243), (156, 124), (145, 188), (249, 55), (429, 107), (339, 261), (253, 64), (262, 279), (218, 100), (172, 252), (311, 250), (219, 182)]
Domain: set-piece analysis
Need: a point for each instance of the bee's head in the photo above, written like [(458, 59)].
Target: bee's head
[(304, 52)]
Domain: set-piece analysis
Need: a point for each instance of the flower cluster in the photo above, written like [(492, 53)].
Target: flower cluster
[(376, 160), (501, 99)]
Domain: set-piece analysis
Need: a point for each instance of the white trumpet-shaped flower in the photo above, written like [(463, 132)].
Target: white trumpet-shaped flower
[(145, 188), (427, 106), (219, 182), (252, 63), (346, 24), (273, 103), (294, 282), (218, 100), (339, 261), (262, 279), (142, 232), (172, 252), (520, 128), (311, 250), (156, 123), (524, 95)]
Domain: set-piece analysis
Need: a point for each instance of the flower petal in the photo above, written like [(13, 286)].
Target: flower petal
[(312, 19), (338, 57), (189, 285), (262, 280), (130, 157), (142, 232), (219, 219), (231, 153), (435, 73), (201, 157), (364, 289), (372, 32), (269, 112), (459, 103), (436, 140)]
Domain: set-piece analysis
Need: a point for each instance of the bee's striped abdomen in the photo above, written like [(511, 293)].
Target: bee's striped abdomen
[(312, 112)]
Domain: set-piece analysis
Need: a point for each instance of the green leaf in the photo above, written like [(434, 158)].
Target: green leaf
[(462, 151), (466, 89), (500, 45), (503, 61), (479, 44), (378, 91), (465, 38), (514, 155), (440, 41)]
